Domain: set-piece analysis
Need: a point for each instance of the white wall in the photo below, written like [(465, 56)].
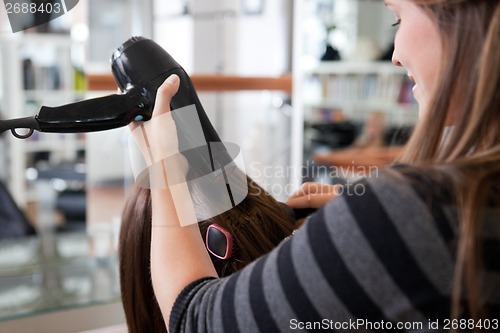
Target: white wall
[(374, 24), (219, 38)]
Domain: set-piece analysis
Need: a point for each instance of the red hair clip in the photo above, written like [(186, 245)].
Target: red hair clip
[(219, 241)]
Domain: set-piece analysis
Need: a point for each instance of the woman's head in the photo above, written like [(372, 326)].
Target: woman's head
[(417, 47), (450, 48), (141, 308), (464, 94), (257, 225)]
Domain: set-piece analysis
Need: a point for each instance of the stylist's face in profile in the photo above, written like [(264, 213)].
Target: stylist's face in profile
[(417, 47)]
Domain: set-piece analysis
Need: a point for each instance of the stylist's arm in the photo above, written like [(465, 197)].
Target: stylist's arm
[(178, 254)]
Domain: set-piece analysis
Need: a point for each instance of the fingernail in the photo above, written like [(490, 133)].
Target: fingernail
[(172, 79)]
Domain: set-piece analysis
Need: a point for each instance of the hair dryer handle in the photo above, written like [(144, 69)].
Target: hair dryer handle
[(96, 114), (185, 96)]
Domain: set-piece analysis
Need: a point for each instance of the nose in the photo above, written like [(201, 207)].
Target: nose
[(395, 60)]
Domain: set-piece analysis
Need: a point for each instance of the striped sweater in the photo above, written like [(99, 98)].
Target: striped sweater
[(379, 259)]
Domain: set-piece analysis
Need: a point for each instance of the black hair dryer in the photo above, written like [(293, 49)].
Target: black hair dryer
[(139, 67)]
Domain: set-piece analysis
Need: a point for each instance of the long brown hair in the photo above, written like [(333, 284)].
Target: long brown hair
[(469, 157), (257, 225)]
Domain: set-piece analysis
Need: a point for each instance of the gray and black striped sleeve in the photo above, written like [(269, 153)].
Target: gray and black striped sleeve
[(378, 255)]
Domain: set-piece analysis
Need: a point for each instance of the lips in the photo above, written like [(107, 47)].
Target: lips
[(415, 86)]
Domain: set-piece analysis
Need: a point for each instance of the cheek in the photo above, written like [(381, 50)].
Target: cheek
[(425, 70), (427, 52), (433, 60)]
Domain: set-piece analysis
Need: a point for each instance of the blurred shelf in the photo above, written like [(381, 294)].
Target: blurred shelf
[(373, 105), (352, 67), (43, 64)]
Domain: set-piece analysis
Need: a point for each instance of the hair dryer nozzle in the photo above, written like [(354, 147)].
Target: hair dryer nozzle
[(139, 62)]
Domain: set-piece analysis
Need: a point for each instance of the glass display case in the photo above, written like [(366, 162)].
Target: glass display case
[(53, 273)]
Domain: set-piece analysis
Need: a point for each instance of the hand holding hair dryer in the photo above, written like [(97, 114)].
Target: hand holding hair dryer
[(139, 67)]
